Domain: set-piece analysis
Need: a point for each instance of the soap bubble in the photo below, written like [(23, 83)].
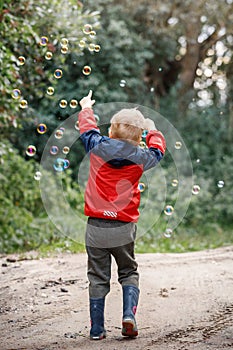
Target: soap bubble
[(54, 150), (97, 48), (92, 34), (64, 41), (31, 151), (91, 47), (48, 55), (73, 103), (168, 233), (87, 28), (23, 104), (178, 145), (37, 175), (144, 133), (16, 94), (59, 134), (21, 60), (59, 164), (175, 182), (196, 189), (66, 149), (44, 41), (50, 90), (86, 70), (41, 128), (97, 118), (66, 163), (220, 184), (141, 187), (82, 44), (183, 172), (142, 144), (76, 125), (58, 73), (122, 83), (63, 103), (168, 210), (64, 49)]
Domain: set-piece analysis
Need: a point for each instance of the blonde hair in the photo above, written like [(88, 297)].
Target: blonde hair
[(127, 124)]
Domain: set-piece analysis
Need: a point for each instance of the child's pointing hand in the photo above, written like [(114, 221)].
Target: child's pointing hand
[(87, 102)]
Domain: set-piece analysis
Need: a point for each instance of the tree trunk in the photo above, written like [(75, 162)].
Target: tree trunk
[(189, 62)]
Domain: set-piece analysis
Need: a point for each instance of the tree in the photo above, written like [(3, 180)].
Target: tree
[(115, 54), (184, 34), (32, 33)]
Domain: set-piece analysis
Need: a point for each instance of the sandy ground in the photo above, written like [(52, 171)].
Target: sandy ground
[(186, 302)]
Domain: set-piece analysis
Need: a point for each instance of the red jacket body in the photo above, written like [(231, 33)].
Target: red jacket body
[(115, 170)]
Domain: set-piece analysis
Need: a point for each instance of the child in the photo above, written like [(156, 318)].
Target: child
[(112, 199)]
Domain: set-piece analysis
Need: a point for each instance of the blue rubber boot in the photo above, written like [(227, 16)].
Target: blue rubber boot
[(130, 302), (97, 318)]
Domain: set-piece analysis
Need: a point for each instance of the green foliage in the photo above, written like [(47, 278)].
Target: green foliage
[(20, 201), (121, 57), (185, 239), (207, 223), (211, 153), (24, 223), (23, 24)]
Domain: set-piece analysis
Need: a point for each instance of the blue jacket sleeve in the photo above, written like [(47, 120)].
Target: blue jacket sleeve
[(151, 158), (91, 139)]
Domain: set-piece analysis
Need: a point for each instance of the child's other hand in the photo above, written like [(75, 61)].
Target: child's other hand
[(149, 124), (87, 102)]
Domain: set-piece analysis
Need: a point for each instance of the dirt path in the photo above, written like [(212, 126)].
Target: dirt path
[(186, 303)]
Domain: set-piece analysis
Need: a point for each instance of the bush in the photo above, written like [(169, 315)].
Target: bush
[(24, 223)]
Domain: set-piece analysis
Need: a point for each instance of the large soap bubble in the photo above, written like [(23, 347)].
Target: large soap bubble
[(154, 198)]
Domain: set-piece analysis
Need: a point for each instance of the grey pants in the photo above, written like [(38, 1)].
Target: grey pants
[(104, 239)]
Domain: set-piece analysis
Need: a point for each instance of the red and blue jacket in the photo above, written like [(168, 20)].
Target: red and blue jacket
[(115, 170)]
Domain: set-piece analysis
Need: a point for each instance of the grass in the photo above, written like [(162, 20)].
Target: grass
[(62, 246), (182, 240), (186, 240)]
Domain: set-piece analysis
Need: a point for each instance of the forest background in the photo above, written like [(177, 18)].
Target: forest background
[(173, 57)]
